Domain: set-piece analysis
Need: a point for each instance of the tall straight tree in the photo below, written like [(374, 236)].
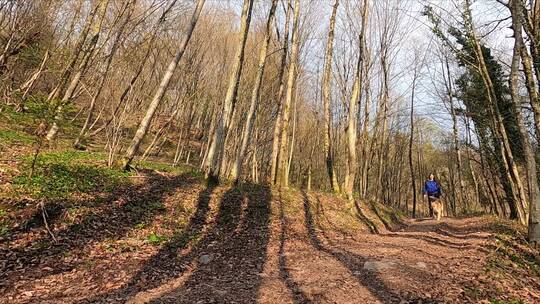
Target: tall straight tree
[(282, 175), (162, 88), (276, 139), (411, 138), (387, 34), (326, 89), (353, 107), (214, 157), (448, 84), (255, 95)]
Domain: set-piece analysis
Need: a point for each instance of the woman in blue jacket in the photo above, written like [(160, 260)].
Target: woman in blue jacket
[(433, 192)]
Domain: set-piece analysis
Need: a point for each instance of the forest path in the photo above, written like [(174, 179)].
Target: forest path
[(248, 245)]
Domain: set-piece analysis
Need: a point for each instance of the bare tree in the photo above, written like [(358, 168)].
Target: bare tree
[(327, 73), (282, 175), (101, 9), (158, 96), (255, 95), (214, 158)]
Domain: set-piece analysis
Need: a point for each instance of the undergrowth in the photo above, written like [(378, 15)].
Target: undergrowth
[(511, 256), (512, 252), (57, 175), (14, 137)]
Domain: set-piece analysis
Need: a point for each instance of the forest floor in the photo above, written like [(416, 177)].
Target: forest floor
[(169, 238), (162, 235)]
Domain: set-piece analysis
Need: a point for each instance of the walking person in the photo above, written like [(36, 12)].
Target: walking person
[(433, 192)]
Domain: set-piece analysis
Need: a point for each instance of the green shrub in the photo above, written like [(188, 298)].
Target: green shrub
[(156, 239)]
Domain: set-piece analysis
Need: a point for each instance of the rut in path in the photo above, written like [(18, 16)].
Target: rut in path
[(251, 244)]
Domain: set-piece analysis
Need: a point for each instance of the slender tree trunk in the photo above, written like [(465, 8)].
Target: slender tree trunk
[(255, 95), (27, 86), (282, 176), (411, 137), (384, 116), (277, 127), (471, 168), (214, 158), (158, 96), (326, 84), (365, 142), (353, 108), (461, 194), (293, 135)]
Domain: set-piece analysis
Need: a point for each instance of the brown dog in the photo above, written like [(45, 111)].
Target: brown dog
[(438, 207)]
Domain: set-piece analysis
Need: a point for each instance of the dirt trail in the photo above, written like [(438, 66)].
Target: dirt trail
[(248, 245)]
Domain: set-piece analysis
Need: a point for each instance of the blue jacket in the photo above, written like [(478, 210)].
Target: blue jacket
[(431, 187)]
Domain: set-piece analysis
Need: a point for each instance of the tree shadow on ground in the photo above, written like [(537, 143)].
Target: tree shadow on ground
[(127, 207), (432, 240), (458, 229), (445, 229), (294, 288), (354, 263), (224, 265)]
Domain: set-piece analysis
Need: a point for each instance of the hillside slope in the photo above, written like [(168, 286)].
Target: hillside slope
[(166, 237)]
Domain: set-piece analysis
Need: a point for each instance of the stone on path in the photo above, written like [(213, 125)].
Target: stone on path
[(205, 259), (378, 265)]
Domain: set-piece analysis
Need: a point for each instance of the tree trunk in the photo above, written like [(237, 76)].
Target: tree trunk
[(411, 137), (277, 127), (471, 168), (255, 95), (158, 96), (384, 116), (461, 193), (213, 160), (293, 136), (532, 177), (365, 138), (282, 176), (326, 83), (353, 108)]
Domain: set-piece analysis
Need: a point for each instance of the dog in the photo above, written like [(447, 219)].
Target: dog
[(438, 207)]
